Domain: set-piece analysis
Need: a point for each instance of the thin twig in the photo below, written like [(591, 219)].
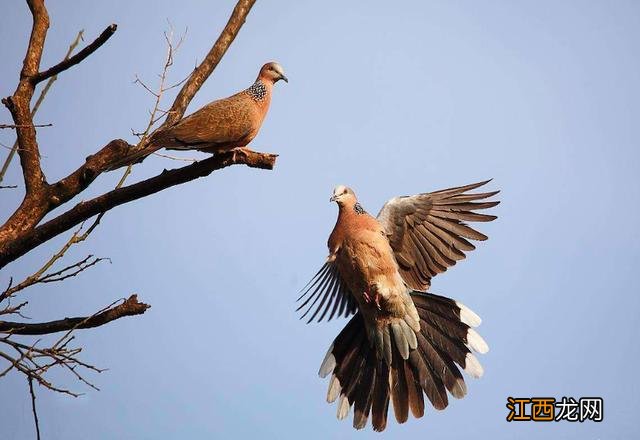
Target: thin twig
[(168, 62), (10, 310), (24, 126), (58, 354), (28, 366), (33, 406), (79, 57), (183, 159), (40, 275), (79, 267), (147, 88)]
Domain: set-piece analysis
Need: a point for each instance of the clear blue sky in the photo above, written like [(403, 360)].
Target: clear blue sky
[(542, 96)]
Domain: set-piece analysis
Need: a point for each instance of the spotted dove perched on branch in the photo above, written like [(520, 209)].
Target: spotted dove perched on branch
[(221, 125), (402, 341)]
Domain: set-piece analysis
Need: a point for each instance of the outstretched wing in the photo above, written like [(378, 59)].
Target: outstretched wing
[(334, 295), (427, 231)]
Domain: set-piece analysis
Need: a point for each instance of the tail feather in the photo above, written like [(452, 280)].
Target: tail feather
[(399, 365), (159, 139), (342, 343), (134, 157), (380, 404), (455, 348), (414, 391), (430, 381), (353, 372), (363, 393), (449, 374), (399, 390)]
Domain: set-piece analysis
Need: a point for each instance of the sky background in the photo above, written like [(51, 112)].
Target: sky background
[(541, 96)]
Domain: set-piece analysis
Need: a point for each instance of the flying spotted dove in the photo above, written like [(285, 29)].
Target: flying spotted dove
[(221, 125), (402, 341)]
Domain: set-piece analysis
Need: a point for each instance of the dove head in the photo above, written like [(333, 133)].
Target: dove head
[(272, 73), (343, 196)]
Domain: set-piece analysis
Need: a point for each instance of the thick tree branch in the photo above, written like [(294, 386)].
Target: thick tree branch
[(18, 104), (31, 63), (38, 199), (77, 58), (34, 110), (85, 210), (129, 307), (31, 210), (76, 182)]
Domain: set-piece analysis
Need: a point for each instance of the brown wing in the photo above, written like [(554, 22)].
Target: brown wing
[(327, 286), (221, 122), (427, 231)]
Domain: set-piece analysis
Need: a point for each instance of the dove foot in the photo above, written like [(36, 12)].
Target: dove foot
[(375, 299)]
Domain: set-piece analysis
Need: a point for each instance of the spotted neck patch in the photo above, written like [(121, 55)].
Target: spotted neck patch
[(359, 209), (257, 91)]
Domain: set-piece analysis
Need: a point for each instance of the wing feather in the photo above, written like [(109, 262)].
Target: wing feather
[(327, 288), (428, 233), (220, 122)]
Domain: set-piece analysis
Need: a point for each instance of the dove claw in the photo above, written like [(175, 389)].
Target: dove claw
[(376, 299)]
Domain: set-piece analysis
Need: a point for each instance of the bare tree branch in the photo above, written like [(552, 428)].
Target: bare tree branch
[(18, 105), (84, 210), (171, 49), (23, 126), (77, 58), (33, 406), (32, 209), (34, 362), (60, 275), (179, 159), (43, 94), (9, 309), (129, 307)]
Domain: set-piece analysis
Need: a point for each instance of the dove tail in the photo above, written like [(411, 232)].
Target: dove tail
[(156, 141), (367, 380)]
